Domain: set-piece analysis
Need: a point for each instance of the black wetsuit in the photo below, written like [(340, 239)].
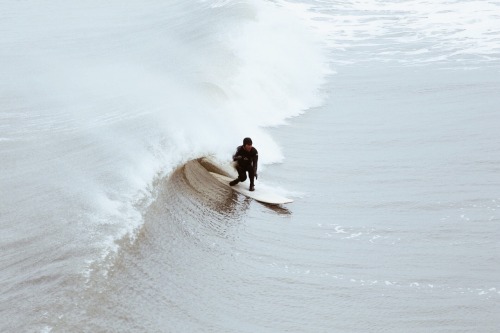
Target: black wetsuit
[(247, 162)]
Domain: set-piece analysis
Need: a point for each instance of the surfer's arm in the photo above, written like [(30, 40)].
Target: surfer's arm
[(255, 160), (237, 156)]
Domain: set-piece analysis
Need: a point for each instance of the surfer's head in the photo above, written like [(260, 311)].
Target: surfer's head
[(247, 143)]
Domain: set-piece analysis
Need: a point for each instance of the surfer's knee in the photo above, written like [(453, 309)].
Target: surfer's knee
[(242, 178)]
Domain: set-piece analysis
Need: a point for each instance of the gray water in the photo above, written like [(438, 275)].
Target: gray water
[(395, 177), (394, 227)]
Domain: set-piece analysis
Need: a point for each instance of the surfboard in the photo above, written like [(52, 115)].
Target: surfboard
[(260, 194)]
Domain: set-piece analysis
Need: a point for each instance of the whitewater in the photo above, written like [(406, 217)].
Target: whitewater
[(379, 118)]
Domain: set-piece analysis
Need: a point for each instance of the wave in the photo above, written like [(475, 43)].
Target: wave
[(101, 101), (117, 95), (187, 229)]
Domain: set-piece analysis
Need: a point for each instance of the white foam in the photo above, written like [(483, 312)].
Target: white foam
[(409, 32), (340, 230), (120, 95)]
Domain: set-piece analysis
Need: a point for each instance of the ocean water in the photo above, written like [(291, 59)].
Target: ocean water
[(379, 118)]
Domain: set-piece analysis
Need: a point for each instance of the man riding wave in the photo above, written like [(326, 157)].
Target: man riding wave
[(246, 158)]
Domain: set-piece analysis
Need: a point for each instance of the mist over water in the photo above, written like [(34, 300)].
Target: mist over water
[(109, 224), (102, 97)]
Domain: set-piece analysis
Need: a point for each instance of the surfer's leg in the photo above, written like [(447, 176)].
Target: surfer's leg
[(251, 175), (242, 174)]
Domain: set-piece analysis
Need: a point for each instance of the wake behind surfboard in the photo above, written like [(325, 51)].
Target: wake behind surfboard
[(260, 194)]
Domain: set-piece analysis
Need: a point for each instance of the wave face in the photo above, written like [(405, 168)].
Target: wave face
[(189, 243), (172, 269), (101, 99)]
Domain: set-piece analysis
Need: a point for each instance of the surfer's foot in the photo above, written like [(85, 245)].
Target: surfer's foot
[(234, 182), (252, 188)]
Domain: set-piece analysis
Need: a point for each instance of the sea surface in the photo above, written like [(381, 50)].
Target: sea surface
[(379, 118)]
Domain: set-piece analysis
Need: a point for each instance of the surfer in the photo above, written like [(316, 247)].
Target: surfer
[(246, 157)]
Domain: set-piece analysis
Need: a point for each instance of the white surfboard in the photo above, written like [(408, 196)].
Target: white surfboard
[(261, 195)]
